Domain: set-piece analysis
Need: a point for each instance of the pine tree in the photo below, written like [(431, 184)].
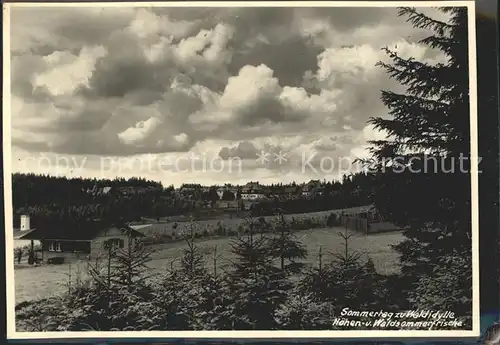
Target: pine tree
[(130, 264), (316, 280), (192, 260), (285, 246), (353, 279), (119, 295), (258, 287), (429, 133), (446, 286), (304, 312)]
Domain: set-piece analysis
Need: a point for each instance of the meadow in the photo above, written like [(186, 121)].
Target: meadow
[(36, 282)]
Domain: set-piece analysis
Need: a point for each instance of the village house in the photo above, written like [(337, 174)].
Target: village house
[(285, 192), (98, 191), (367, 212), (253, 191), (191, 191), (312, 189), (85, 242), (205, 189), (24, 227), (128, 191), (291, 192), (226, 189)]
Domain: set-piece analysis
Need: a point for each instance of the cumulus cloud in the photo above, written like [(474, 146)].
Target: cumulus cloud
[(229, 81)]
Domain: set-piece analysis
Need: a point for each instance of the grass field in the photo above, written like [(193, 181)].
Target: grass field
[(166, 227), (35, 282)]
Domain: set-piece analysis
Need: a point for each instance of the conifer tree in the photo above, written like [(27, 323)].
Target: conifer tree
[(258, 287), (130, 264), (285, 246), (192, 260), (354, 280), (424, 164), (304, 312), (445, 288), (316, 281)]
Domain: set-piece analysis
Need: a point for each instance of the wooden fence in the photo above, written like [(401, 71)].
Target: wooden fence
[(360, 224), (355, 223)]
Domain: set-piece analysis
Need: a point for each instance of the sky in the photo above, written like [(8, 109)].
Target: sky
[(207, 95)]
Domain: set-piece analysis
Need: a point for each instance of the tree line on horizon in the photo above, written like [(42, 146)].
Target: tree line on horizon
[(53, 200)]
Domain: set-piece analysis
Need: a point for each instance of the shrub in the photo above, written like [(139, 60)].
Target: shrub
[(333, 220)]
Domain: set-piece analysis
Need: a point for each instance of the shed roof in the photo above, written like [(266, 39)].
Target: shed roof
[(84, 232), (359, 209)]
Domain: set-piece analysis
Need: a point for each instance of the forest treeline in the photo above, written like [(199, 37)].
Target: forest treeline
[(51, 200)]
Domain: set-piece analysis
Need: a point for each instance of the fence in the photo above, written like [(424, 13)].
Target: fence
[(360, 224), (355, 223)]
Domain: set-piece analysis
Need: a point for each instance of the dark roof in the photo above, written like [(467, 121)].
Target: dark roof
[(359, 209), (86, 232)]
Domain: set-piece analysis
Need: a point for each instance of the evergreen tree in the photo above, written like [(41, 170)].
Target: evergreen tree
[(257, 286), (355, 282), (304, 312), (192, 260), (316, 281), (423, 165), (285, 246), (130, 265), (444, 289)]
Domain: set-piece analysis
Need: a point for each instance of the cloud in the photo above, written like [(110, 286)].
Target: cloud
[(221, 82), (65, 72), (244, 150)]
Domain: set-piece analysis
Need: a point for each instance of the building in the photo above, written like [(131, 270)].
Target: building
[(312, 189), (24, 226), (205, 189), (291, 192), (250, 186), (190, 190), (134, 190), (98, 191), (253, 191), (366, 211), (85, 242), (227, 189)]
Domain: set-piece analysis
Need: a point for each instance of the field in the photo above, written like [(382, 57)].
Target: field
[(226, 221), (35, 282)]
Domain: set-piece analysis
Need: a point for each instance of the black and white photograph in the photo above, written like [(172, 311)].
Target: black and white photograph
[(253, 169)]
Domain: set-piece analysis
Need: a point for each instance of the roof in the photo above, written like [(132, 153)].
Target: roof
[(106, 190), (139, 226), (253, 191), (85, 232), (359, 209)]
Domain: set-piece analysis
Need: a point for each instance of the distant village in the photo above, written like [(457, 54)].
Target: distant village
[(227, 196)]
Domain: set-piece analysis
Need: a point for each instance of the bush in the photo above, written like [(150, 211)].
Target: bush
[(333, 220)]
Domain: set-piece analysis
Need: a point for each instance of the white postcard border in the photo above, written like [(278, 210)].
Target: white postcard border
[(7, 160)]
